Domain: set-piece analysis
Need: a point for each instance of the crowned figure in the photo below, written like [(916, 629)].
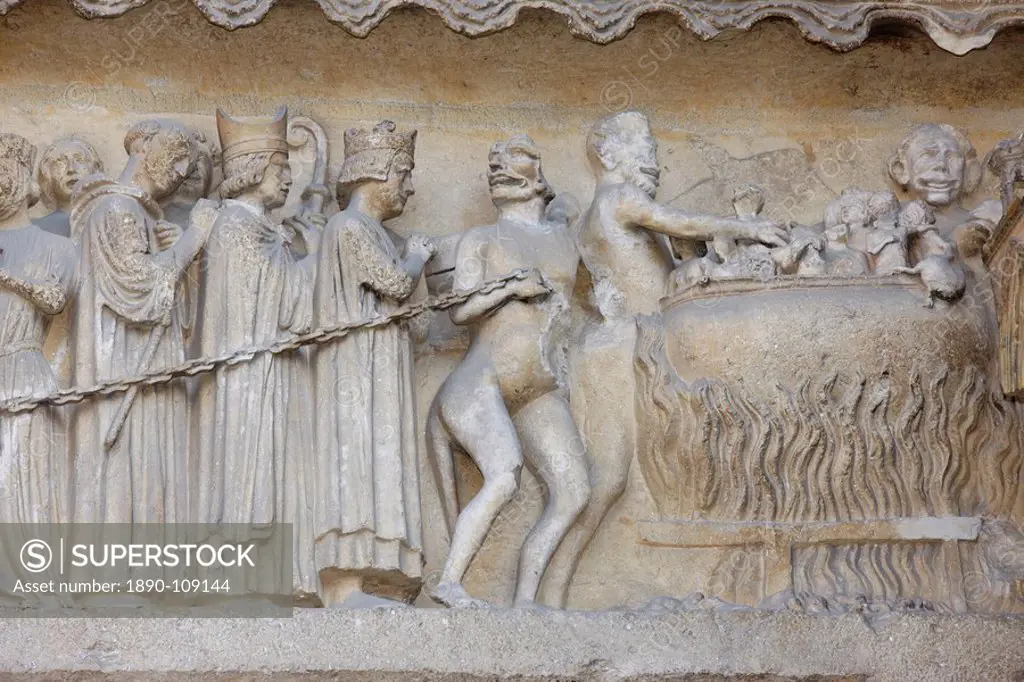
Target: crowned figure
[(367, 499), (252, 428)]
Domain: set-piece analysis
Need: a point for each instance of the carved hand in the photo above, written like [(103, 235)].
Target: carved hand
[(422, 246), (309, 227), (167, 234), (533, 286), (767, 232)]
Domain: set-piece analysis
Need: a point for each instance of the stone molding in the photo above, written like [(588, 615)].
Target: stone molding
[(957, 26)]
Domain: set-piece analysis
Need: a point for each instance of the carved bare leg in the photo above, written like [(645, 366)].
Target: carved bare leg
[(553, 446), (603, 387), (484, 430)]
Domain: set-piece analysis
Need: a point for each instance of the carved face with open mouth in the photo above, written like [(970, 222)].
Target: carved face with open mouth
[(936, 167), (514, 172)]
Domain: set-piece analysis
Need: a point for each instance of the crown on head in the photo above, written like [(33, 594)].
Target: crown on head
[(17, 148), (382, 138), (238, 138)]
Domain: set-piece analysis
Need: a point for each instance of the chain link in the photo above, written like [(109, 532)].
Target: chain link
[(199, 366)]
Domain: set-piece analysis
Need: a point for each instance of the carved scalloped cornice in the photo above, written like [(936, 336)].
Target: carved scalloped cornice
[(955, 25)]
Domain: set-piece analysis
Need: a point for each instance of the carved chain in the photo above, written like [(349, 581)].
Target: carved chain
[(199, 366)]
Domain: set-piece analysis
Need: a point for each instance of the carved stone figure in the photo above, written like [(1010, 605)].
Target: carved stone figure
[(1007, 160), (943, 277), (61, 166), (630, 273), (844, 447), (937, 164), (249, 454), (731, 258), (37, 279), (507, 400), (177, 210), (131, 448), (367, 499)]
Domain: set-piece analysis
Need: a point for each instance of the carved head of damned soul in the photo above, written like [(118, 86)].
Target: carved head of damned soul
[(622, 148), (166, 152), (62, 165), (936, 163), (255, 158), (17, 187), (514, 173), (379, 163)]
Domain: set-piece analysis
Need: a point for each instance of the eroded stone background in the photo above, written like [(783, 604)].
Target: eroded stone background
[(764, 106)]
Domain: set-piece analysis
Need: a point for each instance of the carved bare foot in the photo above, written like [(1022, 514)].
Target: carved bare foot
[(454, 596)]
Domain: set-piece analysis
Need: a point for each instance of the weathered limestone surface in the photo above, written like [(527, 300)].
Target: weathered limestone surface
[(762, 107), (416, 644), (790, 357), (958, 27)]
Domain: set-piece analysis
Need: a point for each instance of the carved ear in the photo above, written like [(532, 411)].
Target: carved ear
[(606, 158), (898, 170), (973, 171)]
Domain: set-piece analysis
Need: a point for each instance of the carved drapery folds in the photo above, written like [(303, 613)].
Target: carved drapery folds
[(958, 27), (827, 411)]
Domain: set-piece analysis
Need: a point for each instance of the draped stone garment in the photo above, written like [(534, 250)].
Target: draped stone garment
[(367, 496), (254, 420), (126, 296), (34, 465), (33, 449)]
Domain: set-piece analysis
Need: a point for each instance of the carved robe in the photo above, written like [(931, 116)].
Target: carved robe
[(34, 465), (126, 296), (367, 496), (254, 420), (33, 448)]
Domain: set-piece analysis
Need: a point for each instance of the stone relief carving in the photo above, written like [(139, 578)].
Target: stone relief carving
[(131, 454), (958, 28), (815, 410), (838, 446), (506, 402), (38, 271), (366, 521), (63, 165), (249, 451)]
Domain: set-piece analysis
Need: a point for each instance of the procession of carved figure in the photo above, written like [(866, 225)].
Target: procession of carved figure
[(507, 402), (367, 519), (38, 270), (249, 456), (825, 397), (131, 450)]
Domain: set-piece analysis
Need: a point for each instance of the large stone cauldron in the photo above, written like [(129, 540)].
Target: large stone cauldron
[(842, 422)]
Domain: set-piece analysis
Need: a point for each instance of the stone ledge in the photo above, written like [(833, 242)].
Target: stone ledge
[(433, 644)]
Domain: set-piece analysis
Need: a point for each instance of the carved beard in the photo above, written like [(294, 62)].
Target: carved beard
[(642, 180)]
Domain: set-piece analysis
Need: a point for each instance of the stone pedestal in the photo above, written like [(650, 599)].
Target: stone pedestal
[(406, 645)]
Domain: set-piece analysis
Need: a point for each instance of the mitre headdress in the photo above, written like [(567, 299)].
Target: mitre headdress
[(253, 136)]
